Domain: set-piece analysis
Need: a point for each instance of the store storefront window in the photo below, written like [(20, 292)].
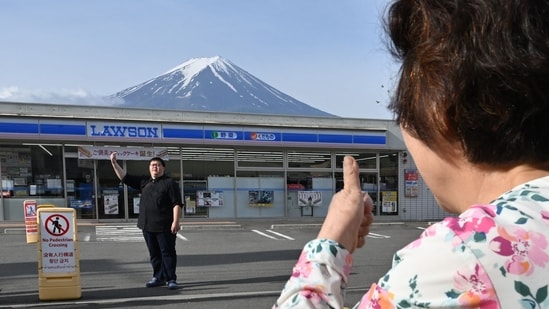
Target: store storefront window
[(301, 159), (80, 186), (260, 193), (208, 181), (110, 190), (366, 160), (309, 193), (388, 183), (380, 183), (309, 183), (260, 184), (32, 171), (249, 158), (369, 181)]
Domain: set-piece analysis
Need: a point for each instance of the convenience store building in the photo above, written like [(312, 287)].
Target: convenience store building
[(228, 165)]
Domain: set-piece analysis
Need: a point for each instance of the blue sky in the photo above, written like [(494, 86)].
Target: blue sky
[(326, 53)]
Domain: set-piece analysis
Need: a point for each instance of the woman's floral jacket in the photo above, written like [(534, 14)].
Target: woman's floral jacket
[(491, 256)]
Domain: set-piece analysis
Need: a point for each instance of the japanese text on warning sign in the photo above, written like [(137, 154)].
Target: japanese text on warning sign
[(57, 242)]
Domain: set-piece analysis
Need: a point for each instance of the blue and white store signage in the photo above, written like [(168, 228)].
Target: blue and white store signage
[(89, 131)]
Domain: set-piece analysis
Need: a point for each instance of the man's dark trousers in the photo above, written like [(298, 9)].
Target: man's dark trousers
[(162, 252)]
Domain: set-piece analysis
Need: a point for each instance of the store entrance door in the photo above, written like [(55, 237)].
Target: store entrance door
[(80, 187), (370, 184), (110, 198)]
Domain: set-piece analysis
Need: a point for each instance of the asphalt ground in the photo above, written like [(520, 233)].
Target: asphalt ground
[(221, 264)]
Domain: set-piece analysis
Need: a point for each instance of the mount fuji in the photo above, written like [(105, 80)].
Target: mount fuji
[(214, 85)]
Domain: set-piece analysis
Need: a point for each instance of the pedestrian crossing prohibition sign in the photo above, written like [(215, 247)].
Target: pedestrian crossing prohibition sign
[(56, 225)]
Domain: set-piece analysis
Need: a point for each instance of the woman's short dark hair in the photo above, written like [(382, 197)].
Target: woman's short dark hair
[(474, 72)]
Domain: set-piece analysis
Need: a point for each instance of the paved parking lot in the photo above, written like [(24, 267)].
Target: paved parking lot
[(228, 265)]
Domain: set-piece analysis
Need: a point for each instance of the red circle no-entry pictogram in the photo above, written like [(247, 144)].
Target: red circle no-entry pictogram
[(57, 225)]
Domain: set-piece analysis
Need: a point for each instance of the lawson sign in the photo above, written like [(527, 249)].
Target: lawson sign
[(101, 129)]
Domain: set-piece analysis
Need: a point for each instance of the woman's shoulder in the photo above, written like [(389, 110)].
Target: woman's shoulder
[(525, 206)]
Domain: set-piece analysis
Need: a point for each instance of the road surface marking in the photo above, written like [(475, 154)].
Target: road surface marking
[(118, 233), (280, 234), (182, 237), (263, 234), (374, 235)]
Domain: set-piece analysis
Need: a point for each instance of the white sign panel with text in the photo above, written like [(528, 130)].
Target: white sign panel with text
[(57, 242)]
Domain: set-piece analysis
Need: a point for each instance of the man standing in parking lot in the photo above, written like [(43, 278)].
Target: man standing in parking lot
[(159, 212)]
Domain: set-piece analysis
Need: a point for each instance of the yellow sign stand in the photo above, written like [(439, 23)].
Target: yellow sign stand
[(31, 228), (58, 254), (30, 208)]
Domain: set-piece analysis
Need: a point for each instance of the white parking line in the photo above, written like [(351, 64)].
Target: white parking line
[(182, 237), (374, 235), (263, 234), (281, 235)]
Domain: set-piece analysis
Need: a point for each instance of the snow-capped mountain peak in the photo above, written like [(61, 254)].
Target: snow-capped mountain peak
[(192, 67), (195, 65), (213, 84)]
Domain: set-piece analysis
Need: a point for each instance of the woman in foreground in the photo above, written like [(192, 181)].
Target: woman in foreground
[(472, 102)]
